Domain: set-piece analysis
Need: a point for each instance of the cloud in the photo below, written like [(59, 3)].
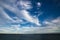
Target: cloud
[(19, 21), (38, 4), (51, 27), (53, 22), (57, 20), (22, 14), (24, 4), (4, 17), (16, 29)]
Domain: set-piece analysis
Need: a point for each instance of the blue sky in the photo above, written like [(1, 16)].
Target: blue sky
[(29, 13)]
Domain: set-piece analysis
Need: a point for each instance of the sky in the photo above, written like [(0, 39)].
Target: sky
[(29, 14)]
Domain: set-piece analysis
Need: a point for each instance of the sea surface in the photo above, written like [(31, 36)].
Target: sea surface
[(30, 36)]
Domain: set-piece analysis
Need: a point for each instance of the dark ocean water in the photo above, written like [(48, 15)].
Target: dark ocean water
[(29, 36)]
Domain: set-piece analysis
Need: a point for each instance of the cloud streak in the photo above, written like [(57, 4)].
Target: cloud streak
[(24, 14), (4, 18), (16, 29), (51, 27)]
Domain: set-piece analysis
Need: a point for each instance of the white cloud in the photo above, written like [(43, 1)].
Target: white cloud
[(17, 20), (17, 29), (22, 14), (47, 23), (53, 26), (2, 22), (30, 18), (4, 18), (24, 4), (53, 22), (57, 20), (38, 4)]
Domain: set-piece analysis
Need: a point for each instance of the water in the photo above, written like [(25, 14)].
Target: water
[(29, 36)]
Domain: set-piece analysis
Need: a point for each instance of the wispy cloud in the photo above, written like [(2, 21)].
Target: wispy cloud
[(4, 18), (24, 14), (24, 4), (52, 26), (16, 29), (55, 22)]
